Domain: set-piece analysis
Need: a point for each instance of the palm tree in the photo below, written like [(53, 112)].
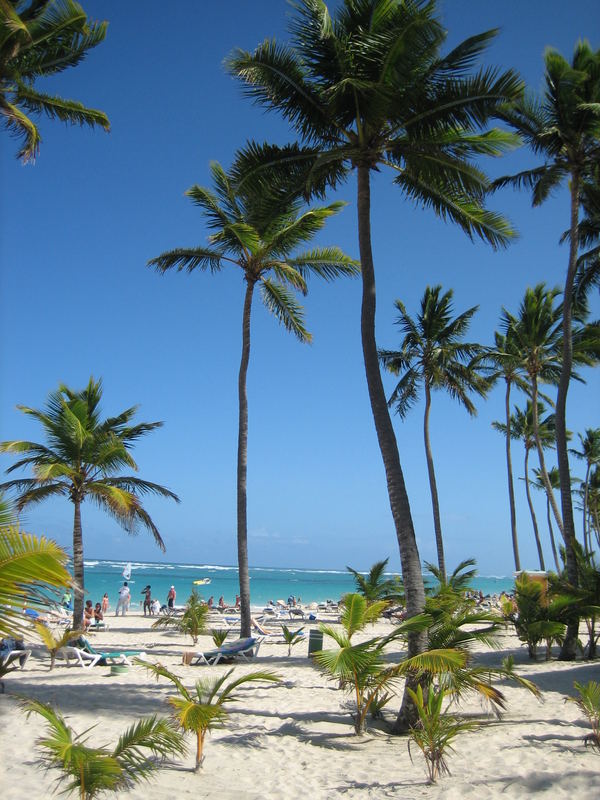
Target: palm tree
[(259, 237), (365, 88), (204, 709), (590, 453), (460, 579), (374, 586), (503, 362), (28, 564), (554, 479), (82, 459), (39, 38), (563, 129), (522, 427), (91, 771), (432, 353), (538, 333)]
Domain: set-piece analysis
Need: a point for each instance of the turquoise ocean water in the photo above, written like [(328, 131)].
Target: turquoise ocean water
[(266, 583)]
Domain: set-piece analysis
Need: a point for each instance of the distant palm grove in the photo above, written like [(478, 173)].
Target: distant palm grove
[(364, 87)]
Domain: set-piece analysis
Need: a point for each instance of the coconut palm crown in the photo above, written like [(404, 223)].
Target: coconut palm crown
[(433, 354), (39, 38), (82, 459), (259, 235)]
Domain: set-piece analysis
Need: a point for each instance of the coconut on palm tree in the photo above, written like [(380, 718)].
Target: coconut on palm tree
[(83, 458), (261, 238), (433, 354), (564, 129), (39, 38), (364, 88)]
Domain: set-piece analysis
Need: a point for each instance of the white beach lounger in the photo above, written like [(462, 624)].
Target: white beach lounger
[(81, 657)]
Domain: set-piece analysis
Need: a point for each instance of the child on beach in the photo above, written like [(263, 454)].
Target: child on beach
[(98, 615)]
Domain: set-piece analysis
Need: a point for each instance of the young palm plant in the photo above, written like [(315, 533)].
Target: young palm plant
[(204, 709), (435, 730), (92, 770), (193, 620), (261, 238), (374, 586), (292, 637), (39, 39), (589, 702), (54, 642), (364, 87), (83, 458), (433, 354), (361, 668)]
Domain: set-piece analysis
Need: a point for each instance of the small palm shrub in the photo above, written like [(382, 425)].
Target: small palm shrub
[(90, 771), (589, 702), (375, 586), (203, 708), (538, 616), (361, 669), (292, 637), (218, 636), (53, 641), (193, 620), (435, 730)]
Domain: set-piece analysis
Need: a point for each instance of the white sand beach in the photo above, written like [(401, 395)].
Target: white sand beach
[(296, 739)]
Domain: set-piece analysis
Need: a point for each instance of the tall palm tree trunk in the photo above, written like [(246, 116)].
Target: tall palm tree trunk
[(435, 503), (569, 647), (409, 553), (586, 531), (540, 451), (78, 588), (242, 466), (536, 531), (511, 486), (552, 541)]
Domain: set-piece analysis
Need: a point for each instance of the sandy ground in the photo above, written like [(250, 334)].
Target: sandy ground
[(295, 739)]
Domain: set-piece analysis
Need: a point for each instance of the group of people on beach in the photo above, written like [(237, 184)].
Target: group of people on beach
[(94, 614), (222, 605), (151, 606)]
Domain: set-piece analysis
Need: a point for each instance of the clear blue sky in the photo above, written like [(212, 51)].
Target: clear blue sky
[(78, 227)]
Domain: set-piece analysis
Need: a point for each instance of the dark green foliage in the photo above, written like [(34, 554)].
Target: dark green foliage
[(39, 39), (536, 614), (218, 636)]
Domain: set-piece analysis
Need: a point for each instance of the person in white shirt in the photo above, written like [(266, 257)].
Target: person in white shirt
[(123, 602)]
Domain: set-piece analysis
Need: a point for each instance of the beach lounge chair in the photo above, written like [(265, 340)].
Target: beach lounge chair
[(106, 657), (81, 657), (244, 648), (11, 651)]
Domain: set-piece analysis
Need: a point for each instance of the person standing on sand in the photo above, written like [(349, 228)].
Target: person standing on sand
[(171, 598), (105, 603), (147, 592), (123, 602)]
